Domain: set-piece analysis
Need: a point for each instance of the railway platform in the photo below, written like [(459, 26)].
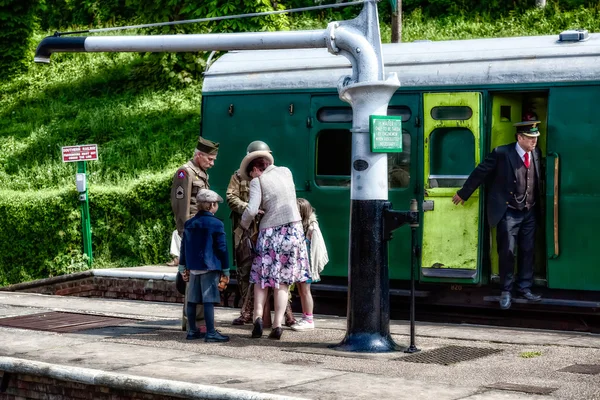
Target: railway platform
[(108, 348)]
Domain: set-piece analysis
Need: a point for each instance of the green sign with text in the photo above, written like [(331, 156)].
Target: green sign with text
[(386, 134)]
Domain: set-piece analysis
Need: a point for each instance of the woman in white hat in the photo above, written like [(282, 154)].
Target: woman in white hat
[(281, 256)]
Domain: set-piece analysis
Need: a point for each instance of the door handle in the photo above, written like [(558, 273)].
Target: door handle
[(554, 194), (428, 205)]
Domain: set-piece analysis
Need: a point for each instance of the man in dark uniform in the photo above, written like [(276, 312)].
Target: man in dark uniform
[(513, 173), (188, 180)]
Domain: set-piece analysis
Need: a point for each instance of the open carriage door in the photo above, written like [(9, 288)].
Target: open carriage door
[(452, 148)]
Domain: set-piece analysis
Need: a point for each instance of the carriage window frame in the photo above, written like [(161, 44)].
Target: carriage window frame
[(451, 113), (343, 115), (341, 177)]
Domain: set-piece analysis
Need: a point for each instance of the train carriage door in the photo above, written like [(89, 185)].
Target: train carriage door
[(452, 146), (330, 160)]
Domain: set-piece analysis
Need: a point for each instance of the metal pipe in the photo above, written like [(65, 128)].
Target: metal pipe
[(182, 43), (368, 94)]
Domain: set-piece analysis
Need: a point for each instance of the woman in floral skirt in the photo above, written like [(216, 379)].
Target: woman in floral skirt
[(281, 256)]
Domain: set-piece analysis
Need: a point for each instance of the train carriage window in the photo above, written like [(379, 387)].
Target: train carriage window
[(451, 112), (399, 164), (334, 114), (505, 113), (344, 114), (399, 111), (334, 153), (451, 156)]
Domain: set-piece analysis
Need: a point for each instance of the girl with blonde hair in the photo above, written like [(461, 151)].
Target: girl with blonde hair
[(318, 258)]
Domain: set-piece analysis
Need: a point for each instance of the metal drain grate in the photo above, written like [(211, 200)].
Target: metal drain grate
[(61, 322), (589, 369), (449, 355), (515, 387)]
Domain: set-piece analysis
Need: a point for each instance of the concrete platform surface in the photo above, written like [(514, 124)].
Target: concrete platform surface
[(526, 364)]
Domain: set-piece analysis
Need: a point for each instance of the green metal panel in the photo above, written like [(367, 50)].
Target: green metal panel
[(451, 149), (332, 202), (400, 245), (237, 120), (573, 135)]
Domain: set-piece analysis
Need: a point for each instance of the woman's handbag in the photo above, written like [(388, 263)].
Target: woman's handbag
[(180, 283), (244, 250)]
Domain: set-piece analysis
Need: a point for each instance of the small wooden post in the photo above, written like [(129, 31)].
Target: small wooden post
[(397, 21)]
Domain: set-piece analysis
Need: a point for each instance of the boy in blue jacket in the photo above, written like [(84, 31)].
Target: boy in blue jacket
[(202, 260)]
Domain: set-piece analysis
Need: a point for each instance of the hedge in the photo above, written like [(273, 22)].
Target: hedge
[(41, 230)]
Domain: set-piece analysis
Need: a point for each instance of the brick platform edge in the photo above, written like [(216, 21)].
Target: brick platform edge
[(25, 379), (115, 284), (108, 284)]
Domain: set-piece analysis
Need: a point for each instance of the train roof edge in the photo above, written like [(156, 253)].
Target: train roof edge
[(516, 60)]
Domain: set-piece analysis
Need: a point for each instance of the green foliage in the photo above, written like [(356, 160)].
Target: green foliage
[(124, 215), (62, 14), (36, 227), (67, 263), (41, 230), (149, 242), (187, 67), (16, 26), (548, 21), (92, 98), (530, 354)]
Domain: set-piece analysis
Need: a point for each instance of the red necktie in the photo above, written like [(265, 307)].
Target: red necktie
[(526, 161)]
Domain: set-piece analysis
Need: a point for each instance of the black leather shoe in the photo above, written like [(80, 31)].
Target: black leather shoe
[(531, 297), (276, 333), (505, 300), (195, 336), (216, 337), (258, 328)]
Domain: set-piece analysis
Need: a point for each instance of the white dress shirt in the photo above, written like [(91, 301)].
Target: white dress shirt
[(521, 153)]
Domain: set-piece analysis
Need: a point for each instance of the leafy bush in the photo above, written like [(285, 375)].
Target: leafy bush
[(17, 24), (41, 230)]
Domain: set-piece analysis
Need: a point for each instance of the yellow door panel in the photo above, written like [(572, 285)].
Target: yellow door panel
[(452, 129)]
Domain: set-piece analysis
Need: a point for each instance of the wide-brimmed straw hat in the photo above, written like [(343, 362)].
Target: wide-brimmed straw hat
[(249, 158)]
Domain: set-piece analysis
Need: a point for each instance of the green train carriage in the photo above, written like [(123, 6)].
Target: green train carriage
[(458, 100)]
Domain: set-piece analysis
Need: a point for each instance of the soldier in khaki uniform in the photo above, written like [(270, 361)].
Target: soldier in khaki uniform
[(187, 181), (238, 193), (237, 200)]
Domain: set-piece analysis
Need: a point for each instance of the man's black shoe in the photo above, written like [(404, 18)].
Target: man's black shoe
[(505, 300), (195, 335), (531, 297), (216, 337)]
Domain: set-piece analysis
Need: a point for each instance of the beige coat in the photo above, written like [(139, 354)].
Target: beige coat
[(274, 193)]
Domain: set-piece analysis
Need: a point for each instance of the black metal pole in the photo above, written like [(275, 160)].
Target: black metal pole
[(413, 238), (368, 283)]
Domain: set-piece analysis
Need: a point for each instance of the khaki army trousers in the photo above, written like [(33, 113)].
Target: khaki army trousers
[(243, 280), (199, 312)]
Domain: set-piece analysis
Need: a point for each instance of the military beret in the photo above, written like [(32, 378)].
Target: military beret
[(208, 196), (528, 128), (207, 146)]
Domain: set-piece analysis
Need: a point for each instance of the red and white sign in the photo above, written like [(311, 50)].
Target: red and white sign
[(85, 152)]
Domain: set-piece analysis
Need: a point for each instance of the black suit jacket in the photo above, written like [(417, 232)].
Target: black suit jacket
[(498, 171)]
